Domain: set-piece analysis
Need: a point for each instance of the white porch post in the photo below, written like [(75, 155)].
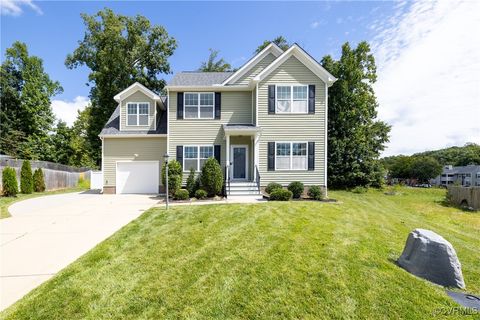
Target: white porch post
[(256, 139), (227, 157)]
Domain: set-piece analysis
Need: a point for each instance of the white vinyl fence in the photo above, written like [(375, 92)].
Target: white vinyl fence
[(96, 180), (57, 176)]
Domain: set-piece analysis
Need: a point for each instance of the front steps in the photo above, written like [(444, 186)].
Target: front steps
[(243, 188)]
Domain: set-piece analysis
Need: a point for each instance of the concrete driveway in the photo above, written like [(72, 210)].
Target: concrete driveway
[(46, 234)]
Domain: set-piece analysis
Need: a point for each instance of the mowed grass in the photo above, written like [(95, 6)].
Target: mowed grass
[(296, 260)]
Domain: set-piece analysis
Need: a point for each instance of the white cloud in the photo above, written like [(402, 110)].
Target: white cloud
[(15, 7), (68, 110), (428, 58), (314, 24)]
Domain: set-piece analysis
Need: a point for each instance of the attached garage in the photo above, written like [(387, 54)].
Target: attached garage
[(137, 177)]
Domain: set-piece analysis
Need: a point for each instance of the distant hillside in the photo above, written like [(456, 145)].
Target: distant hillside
[(457, 156)]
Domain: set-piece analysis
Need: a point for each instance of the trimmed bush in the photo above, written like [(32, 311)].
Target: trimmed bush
[(174, 176), (212, 177), (296, 187), (281, 195), (181, 194), (9, 182), (38, 180), (360, 189), (191, 183), (316, 193), (26, 178), (200, 194), (272, 186)]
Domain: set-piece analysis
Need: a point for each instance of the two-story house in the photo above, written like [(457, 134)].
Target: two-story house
[(265, 122)]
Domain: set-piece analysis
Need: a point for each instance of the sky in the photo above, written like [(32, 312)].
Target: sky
[(427, 52)]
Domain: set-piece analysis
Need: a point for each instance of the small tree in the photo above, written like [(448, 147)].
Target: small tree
[(38, 180), (191, 183), (212, 177), (26, 178), (9, 182), (174, 176), (425, 168)]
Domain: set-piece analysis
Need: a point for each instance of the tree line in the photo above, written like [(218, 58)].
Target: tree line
[(120, 50)]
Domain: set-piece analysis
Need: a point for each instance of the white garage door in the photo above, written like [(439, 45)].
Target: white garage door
[(137, 177)]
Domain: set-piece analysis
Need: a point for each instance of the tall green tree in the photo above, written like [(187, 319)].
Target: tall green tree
[(25, 95), (213, 64), (119, 50), (355, 136), (279, 41)]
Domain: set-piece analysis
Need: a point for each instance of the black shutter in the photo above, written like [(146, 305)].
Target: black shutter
[(311, 156), (180, 155), (271, 156), (218, 105), (311, 98), (180, 105), (271, 99), (216, 152)]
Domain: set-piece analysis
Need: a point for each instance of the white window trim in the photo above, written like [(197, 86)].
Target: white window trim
[(198, 155), (291, 155), (138, 114), (198, 106), (291, 97)]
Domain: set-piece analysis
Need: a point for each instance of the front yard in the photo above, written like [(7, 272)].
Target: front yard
[(273, 260)]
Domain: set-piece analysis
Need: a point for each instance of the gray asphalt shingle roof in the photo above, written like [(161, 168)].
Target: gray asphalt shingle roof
[(195, 78)]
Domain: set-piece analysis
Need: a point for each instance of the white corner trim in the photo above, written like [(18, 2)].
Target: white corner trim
[(305, 58), (168, 121), (271, 48), (326, 139), (137, 87)]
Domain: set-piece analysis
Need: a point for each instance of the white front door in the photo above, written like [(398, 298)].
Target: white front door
[(239, 169), (137, 177)]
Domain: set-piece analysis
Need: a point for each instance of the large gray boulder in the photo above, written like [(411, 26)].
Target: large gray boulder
[(428, 255)]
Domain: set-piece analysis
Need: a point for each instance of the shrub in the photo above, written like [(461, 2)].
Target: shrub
[(360, 189), (83, 183), (272, 186), (296, 187), (38, 180), (212, 177), (281, 195), (174, 176), (316, 193), (191, 183), (200, 194), (26, 178), (9, 182), (181, 194)]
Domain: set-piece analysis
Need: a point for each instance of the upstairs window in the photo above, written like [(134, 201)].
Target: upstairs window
[(199, 105), (291, 156), (195, 157), (292, 99), (137, 113)]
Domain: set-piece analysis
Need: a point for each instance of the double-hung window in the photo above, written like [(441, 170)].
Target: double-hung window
[(199, 105), (291, 156), (292, 99), (137, 113), (195, 156)]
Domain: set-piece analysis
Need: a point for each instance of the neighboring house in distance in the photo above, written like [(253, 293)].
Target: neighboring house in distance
[(467, 176), (266, 122)]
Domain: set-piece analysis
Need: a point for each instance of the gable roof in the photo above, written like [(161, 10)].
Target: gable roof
[(137, 87), (271, 48), (298, 52), (198, 78)]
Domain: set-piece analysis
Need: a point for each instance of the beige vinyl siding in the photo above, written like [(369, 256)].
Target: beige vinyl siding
[(124, 149), (236, 109), (137, 96), (262, 64), (292, 127)]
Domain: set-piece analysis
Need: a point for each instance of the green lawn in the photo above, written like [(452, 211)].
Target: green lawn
[(6, 202), (297, 260)]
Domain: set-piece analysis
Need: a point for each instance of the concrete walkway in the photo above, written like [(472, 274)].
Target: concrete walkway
[(230, 199), (46, 234)]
